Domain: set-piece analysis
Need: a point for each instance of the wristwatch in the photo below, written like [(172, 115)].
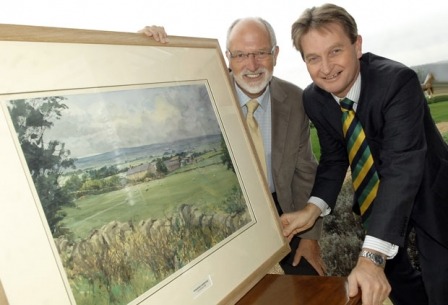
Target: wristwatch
[(377, 259)]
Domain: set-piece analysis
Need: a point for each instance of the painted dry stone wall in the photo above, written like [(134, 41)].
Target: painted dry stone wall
[(152, 229)]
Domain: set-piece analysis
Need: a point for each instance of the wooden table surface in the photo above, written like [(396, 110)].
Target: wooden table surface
[(299, 290)]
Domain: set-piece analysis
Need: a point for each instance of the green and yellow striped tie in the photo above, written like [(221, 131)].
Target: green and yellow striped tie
[(364, 175)]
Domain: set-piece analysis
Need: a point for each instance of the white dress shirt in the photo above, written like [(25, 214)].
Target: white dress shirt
[(263, 117)]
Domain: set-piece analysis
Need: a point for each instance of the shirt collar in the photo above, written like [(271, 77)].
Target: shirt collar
[(354, 92), (263, 99)]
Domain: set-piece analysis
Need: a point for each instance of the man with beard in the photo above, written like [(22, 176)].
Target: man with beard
[(252, 54), (285, 130)]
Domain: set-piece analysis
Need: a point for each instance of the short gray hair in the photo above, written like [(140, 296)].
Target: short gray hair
[(268, 26)]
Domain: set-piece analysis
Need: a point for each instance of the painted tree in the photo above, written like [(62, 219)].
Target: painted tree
[(46, 160), (161, 167), (225, 158)]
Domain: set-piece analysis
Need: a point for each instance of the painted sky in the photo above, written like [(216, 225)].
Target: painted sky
[(101, 122)]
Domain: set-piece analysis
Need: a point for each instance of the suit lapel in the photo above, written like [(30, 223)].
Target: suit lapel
[(331, 113), (364, 103)]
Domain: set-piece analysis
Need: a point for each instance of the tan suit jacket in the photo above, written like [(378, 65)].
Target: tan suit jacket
[(293, 162)]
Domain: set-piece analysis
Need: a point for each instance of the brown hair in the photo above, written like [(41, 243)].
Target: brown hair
[(318, 17)]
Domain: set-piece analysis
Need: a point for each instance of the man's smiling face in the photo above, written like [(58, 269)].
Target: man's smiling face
[(251, 74), (331, 59)]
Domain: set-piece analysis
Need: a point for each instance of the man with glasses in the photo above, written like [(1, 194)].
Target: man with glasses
[(252, 54), (290, 164)]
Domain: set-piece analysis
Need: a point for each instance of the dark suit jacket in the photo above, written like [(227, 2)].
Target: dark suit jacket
[(293, 162), (409, 153)]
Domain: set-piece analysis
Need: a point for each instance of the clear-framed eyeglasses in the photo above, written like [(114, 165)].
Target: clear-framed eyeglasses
[(259, 55)]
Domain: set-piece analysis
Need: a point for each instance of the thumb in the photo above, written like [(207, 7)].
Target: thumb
[(352, 288), (288, 231), (285, 226), (288, 225)]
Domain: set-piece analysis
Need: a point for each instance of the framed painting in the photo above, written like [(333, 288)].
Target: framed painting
[(126, 173)]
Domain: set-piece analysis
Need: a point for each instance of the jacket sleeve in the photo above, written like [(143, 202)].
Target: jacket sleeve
[(333, 162), (397, 140), (304, 175)]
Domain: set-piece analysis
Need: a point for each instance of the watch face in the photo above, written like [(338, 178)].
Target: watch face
[(379, 259)]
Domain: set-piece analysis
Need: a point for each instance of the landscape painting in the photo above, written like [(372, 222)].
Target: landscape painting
[(135, 183)]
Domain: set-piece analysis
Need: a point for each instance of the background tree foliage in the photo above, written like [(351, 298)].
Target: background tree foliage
[(46, 159), (343, 235)]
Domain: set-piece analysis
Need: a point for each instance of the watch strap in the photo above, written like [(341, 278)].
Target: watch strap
[(377, 259)]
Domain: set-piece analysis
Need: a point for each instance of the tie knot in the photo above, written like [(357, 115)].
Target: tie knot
[(346, 104), (252, 105)]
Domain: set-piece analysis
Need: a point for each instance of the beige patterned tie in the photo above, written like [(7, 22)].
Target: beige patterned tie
[(255, 133)]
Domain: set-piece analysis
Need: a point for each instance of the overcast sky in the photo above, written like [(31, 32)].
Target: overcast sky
[(413, 32), (101, 122)]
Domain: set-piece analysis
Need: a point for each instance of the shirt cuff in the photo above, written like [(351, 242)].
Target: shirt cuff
[(388, 249), (322, 205)]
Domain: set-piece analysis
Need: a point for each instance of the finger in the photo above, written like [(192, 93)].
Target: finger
[(324, 267), (147, 31), (289, 228), (165, 39), (289, 237), (162, 35), (156, 36), (287, 231), (368, 298), (158, 33), (318, 266), (352, 287), (297, 259)]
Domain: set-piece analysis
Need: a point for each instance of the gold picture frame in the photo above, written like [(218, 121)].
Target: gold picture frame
[(40, 63)]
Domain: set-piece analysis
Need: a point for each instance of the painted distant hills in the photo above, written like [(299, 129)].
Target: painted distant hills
[(121, 155)]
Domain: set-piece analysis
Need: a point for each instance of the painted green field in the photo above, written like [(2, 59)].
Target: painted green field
[(203, 187), (114, 270)]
